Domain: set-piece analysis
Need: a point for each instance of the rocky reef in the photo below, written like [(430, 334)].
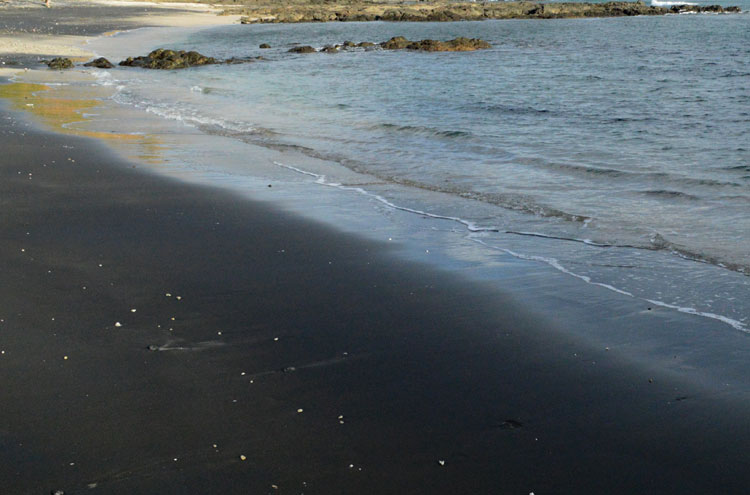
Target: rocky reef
[(285, 11), (400, 43), (100, 63), (455, 45), (60, 63), (164, 59)]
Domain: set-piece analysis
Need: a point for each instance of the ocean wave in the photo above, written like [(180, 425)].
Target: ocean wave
[(664, 178), (421, 130), (669, 194)]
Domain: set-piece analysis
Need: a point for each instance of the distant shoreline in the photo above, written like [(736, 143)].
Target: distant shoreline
[(455, 11)]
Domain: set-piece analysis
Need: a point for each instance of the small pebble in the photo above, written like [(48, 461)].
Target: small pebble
[(65, 358), (242, 457), (118, 324), (441, 462), (300, 410)]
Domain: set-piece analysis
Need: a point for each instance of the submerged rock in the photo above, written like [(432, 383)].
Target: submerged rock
[(264, 45), (60, 63), (302, 49), (169, 59), (455, 45), (330, 49), (99, 63)]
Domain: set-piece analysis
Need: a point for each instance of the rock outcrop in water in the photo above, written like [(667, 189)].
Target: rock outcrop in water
[(60, 63), (169, 59), (260, 11), (455, 45), (302, 49), (99, 63), (164, 59), (401, 43)]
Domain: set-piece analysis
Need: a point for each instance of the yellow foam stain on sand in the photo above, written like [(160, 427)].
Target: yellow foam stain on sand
[(59, 113)]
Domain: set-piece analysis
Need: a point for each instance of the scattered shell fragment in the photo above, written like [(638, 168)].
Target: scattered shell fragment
[(178, 297), (168, 294), (65, 358), (118, 324), (300, 410), (441, 462), (133, 310), (242, 457)]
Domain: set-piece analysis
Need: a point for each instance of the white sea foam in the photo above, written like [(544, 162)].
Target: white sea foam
[(554, 263), (321, 179), (669, 3), (196, 120)]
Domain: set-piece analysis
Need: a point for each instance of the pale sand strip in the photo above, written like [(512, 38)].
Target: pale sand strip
[(183, 15)]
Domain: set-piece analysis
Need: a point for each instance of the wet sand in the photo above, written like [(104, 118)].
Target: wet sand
[(331, 364)]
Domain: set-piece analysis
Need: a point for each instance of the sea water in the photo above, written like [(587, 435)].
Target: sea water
[(616, 151)]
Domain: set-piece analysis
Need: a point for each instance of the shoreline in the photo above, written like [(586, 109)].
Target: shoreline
[(31, 33), (539, 383), (439, 379)]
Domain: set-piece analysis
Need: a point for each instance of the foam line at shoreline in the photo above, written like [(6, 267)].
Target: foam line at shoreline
[(321, 180)]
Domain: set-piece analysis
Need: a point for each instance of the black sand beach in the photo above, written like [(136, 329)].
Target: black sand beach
[(159, 337)]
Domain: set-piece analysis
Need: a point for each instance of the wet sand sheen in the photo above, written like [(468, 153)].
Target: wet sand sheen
[(331, 365)]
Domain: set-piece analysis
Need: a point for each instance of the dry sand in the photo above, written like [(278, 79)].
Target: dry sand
[(29, 30)]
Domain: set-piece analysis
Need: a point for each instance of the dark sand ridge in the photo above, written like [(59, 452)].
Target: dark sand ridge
[(422, 365)]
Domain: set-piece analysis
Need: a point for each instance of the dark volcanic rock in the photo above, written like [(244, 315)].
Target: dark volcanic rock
[(169, 59), (454, 45), (264, 45), (302, 49), (395, 43), (99, 63), (699, 9), (60, 63)]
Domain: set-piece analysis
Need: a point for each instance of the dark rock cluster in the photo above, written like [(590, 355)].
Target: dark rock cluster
[(99, 63), (455, 45), (162, 58), (401, 43), (60, 63)]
